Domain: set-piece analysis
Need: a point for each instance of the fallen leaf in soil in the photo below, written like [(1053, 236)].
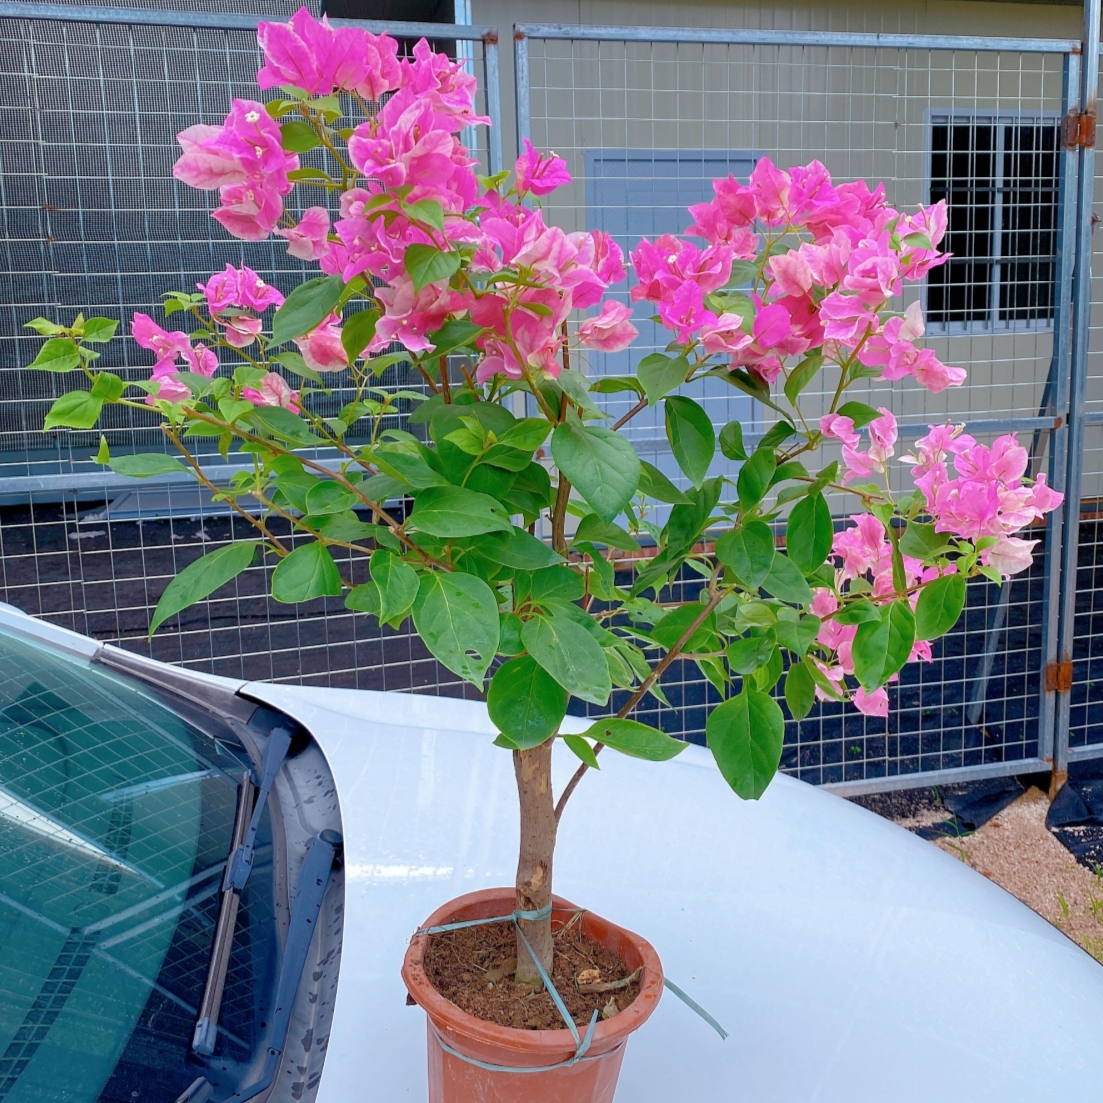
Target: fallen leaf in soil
[(610, 1009), (605, 986), (588, 976)]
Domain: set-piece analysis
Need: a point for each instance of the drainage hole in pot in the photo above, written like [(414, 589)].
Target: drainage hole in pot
[(474, 968)]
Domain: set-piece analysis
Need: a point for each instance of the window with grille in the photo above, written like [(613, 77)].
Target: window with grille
[(998, 175)]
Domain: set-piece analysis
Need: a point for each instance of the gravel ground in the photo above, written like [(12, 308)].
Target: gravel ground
[(1017, 851)]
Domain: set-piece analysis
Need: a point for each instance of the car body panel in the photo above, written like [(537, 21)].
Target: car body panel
[(848, 959)]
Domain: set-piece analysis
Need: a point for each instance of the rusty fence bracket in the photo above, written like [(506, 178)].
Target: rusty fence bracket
[(1059, 677), (1079, 130)]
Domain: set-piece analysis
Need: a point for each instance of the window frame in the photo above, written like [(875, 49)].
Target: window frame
[(992, 325)]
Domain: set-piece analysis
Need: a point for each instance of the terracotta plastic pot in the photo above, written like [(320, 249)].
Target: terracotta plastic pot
[(593, 1079)]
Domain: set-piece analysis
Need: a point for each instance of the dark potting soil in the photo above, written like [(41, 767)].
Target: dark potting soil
[(474, 967)]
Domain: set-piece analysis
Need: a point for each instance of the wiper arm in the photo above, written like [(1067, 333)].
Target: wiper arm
[(239, 864)]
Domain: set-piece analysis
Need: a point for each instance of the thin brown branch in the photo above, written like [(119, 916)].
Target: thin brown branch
[(660, 668), (641, 405)]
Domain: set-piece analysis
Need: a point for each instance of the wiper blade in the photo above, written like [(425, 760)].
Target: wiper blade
[(239, 864)]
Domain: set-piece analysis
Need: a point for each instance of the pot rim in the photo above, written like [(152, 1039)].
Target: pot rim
[(547, 1046)]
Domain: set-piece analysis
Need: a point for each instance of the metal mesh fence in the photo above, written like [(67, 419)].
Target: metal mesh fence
[(646, 124), (95, 222)]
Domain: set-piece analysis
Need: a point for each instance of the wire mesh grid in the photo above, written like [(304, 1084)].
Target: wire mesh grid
[(95, 222), (644, 126)]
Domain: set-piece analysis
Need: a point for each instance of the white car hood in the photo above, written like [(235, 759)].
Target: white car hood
[(849, 960)]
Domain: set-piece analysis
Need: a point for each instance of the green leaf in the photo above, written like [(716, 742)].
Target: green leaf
[(306, 307), (426, 264), (455, 334), (802, 375), (778, 433), (786, 581), (107, 387), (44, 327), (687, 522), (731, 441), (309, 174), (326, 497), (920, 541), (800, 690), (600, 464), (661, 374), (882, 647), (146, 465), (754, 478), (298, 136), (809, 533), (525, 435), (582, 750), (456, 615), (525, 702), (749, 551), (745, 734), (558, 583), (308, 572), (363, 599), (98, 331), (58, 354), (766, 677), (861, 611), (569, 654), (517, 549), (596, 531), (637, 740), (428, 211), (691, 437), (577, 388), (613, 384), (939, 606), (75, 410), (745, 656), (201, 578), (654, 484), (357, 331), (397, 581), (103, 456), (456, 511), (798, 635), (674, 625), (858, 412), (283, 424)]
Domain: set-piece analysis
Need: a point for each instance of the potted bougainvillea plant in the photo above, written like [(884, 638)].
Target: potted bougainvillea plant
[(781, 286)]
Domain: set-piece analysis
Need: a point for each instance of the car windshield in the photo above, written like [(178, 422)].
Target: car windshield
[(115, 821)]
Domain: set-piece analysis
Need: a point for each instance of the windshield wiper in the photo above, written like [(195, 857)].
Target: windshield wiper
[(239, 864)]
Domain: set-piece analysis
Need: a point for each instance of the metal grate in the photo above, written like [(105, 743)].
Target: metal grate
[(644, 118)]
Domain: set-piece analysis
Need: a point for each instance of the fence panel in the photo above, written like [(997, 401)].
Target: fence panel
[(645, 118), (90, 104)]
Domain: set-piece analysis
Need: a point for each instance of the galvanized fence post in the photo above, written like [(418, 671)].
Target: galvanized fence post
[(1052, 734), (1080, 136)]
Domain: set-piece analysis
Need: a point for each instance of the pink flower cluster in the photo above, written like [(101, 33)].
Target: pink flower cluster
[(987, 497), (231, 293), (245, 160), (882, 436), (831, 291), (170, 349)]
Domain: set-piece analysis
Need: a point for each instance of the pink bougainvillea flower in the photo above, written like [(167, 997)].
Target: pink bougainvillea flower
[(882, 434), (308, 240), (771, 326), (862, 546), (240, 330), (608, 262), (791, 273), (838, 427), (726, 335), (274, 391), (684, 312), (611, 331), (771, 192), (201, 360), (727, 218), (444, 84), (1009, 555), (539, 173), (875, 703), (321, 348), (411, 315), (148, 334), (221, 290)]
